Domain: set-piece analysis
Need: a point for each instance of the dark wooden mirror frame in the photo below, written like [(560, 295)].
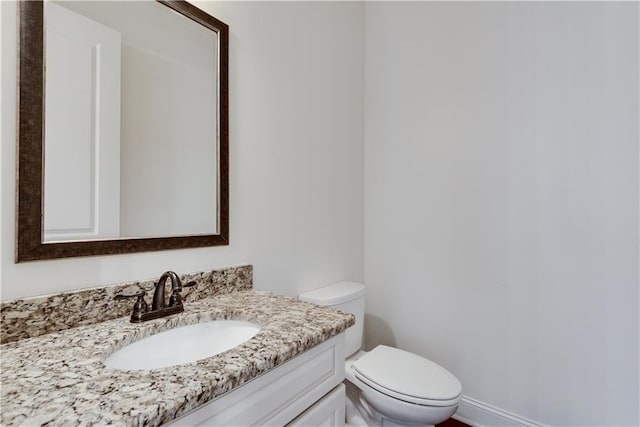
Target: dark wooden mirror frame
[(30, 160)]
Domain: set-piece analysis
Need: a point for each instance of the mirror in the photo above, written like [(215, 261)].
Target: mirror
[(123, 140)]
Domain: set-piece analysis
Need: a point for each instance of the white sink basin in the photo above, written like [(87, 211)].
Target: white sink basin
[(182, 345)]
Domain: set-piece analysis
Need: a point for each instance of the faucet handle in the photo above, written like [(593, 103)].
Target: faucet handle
[(138, 294), (140, 306), (175, 298)]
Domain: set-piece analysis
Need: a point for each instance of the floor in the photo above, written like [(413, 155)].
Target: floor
[(452, 423)]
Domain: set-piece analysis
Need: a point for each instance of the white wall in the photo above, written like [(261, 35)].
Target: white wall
[(296, 167), (501, 200), (162, 108)]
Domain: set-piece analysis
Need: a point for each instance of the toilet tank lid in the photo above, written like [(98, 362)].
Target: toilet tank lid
[(338, 293)]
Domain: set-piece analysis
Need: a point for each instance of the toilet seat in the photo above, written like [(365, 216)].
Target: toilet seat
[(408, 377)]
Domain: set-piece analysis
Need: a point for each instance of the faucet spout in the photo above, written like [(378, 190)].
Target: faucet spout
[(158, 294)]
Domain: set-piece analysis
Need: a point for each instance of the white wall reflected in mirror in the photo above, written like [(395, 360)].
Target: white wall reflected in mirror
[(131, 128)]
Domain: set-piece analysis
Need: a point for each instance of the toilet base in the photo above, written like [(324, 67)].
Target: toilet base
[(359, 413)]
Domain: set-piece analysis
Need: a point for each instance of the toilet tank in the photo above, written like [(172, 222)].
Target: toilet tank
[(347, 297)]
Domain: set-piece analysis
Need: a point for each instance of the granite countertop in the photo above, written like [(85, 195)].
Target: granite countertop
[(60, 378)]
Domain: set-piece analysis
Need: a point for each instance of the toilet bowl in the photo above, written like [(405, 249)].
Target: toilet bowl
[(401, 388), (387, 386)]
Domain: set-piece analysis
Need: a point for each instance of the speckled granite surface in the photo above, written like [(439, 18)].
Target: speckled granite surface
[(32, 317), (59, 378)]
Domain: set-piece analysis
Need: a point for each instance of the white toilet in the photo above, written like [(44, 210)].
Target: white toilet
[(387, 386)]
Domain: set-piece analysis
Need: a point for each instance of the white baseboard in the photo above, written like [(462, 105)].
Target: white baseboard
[(479, 414)]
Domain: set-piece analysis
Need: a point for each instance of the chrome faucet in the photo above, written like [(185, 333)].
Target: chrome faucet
[(159, 308)]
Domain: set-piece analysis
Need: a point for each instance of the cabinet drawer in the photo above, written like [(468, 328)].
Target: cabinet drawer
[(327, 412)]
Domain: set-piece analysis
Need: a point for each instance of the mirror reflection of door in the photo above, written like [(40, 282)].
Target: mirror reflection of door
[(82, 150), (130, 122)]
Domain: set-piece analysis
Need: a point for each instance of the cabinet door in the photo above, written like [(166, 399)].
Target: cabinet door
[(326, 412)]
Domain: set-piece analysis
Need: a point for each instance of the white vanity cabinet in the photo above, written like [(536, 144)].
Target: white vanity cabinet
[(304, 391)]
